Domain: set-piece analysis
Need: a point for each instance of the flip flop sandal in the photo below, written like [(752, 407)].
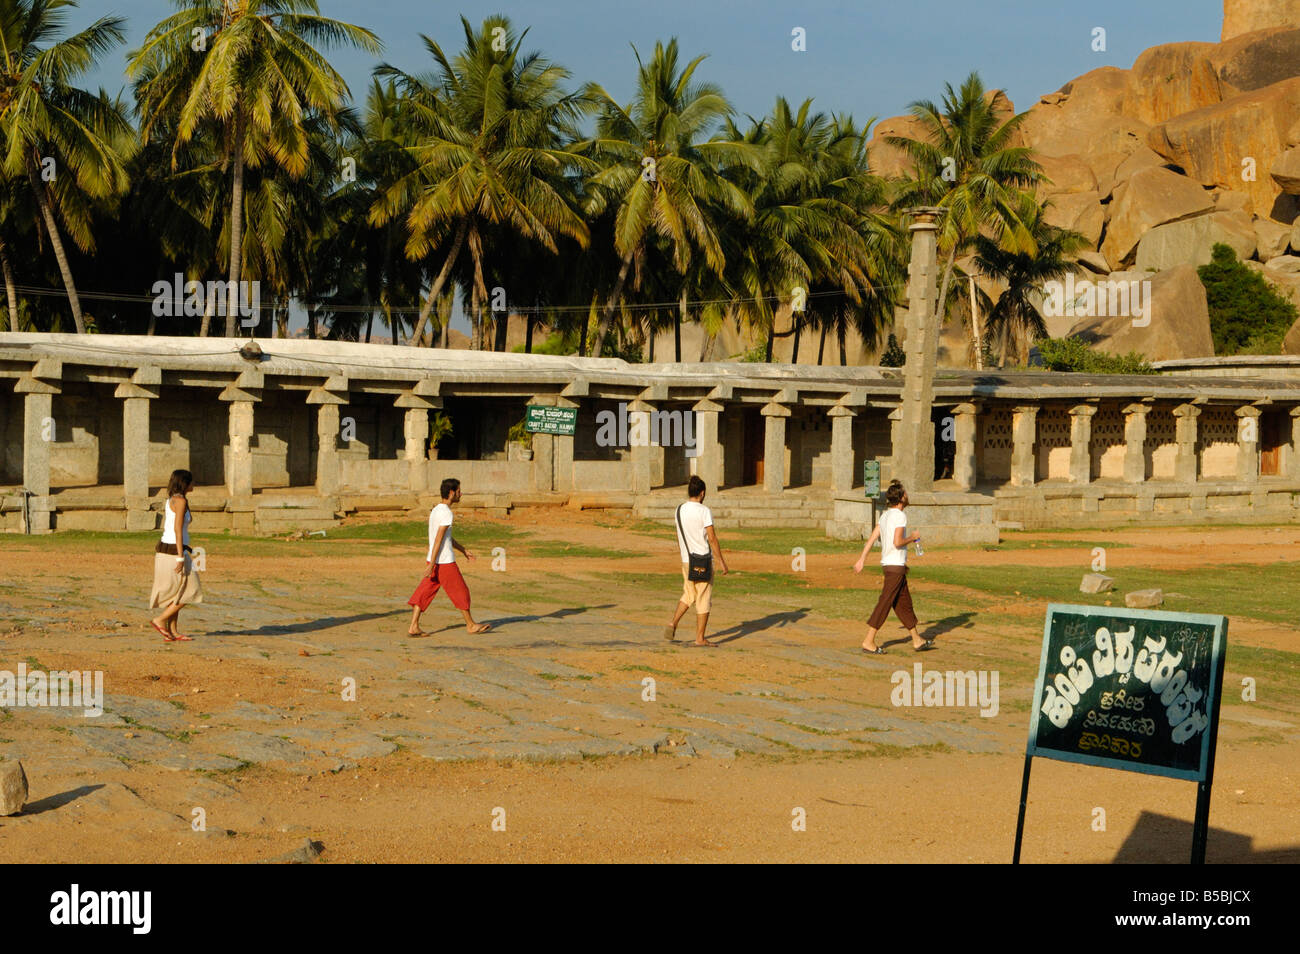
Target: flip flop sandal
[(181, 639), (167, 637), (924, 647), (669, 634), (874, 652)]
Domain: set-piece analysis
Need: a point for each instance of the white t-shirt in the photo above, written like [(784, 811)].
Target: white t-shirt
[(891, 520), (440, 516), (695, 517)]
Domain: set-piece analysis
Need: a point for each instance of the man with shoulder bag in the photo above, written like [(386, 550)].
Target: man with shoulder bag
[(698, 543)]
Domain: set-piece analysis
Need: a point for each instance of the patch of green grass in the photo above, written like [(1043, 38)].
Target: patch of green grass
[(649, 669), (547, 675), (783, 540), (557, 549)]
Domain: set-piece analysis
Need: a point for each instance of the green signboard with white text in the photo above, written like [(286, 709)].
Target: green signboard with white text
[(871, 477), (1129, 689), (542, 419)]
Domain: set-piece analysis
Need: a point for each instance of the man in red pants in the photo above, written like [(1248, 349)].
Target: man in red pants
[(443, 571)]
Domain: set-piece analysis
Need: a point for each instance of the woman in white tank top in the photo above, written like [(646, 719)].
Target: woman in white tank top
[(175, 581)]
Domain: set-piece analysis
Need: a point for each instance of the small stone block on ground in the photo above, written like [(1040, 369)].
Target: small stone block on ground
[(13, 787), (1144, 599), (1096, 583)]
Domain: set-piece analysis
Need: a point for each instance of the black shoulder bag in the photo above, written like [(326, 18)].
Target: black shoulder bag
[(700, 568)]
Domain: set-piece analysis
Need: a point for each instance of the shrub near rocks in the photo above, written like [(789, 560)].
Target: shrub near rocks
[(1246, 315), (1073, 354)]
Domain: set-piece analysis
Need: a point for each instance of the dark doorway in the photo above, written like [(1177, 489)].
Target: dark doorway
[(755, 437), (945, 442), (1270, 443)]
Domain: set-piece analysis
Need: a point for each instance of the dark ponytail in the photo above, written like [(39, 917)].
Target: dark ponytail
[(894, 493), (179, 480)]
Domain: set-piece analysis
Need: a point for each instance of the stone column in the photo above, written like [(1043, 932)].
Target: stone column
[(1081, 443), (327, 448), (895, 445), (135, 454), (38, 435), (964, 431), (543, 451), (774, 416), (562, 447), (1292, 464), (639, 450), (1248, 443), (239, 468), (1024, 432), (841, 449), (708, 446), (415, 428), (914, 462), (1135, 443), (1186, 466)]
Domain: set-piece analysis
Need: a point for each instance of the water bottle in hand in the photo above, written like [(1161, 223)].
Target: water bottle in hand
[(919, 549)]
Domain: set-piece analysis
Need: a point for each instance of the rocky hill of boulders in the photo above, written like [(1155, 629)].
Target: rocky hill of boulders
[(1197, 143)]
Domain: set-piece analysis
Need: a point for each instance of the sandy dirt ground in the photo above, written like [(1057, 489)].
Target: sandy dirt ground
[(536, 742)]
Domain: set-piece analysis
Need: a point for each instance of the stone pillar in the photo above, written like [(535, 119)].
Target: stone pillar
[(640, 449), (1248, 443), (543, 451), (38, 434), (964, 431), (1292, 464), (135, 454), (239, 467), (1081, 443), (327, 448), (708, 446), (1135, 443), (562, 453), (895, 445), (1024, 432), (1186, 466), (841, 449), (415, 428), (774, 416), (914, 460)]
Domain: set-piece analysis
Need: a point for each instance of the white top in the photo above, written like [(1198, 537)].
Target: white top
[(695, 517), (169, 526), (891, 520), (440, 516)]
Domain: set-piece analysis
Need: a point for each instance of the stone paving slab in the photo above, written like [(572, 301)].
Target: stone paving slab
[(151, 747)]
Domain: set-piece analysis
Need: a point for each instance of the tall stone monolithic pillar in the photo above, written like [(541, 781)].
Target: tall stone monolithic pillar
[(415, 429), (1186, 466), (39, 429), (708, 445), (239, 466), (135, 454), (1292, 468), (914, 460), (639, 435), (1081, 443), (964, 431), (327, 449), (1135, 443), (1024, 433), (841, 449), (774, 417), (1248, 443)]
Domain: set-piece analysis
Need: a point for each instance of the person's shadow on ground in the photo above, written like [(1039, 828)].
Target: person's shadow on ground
[(771, 621), (938, 628), (507, 620), (311, 626)]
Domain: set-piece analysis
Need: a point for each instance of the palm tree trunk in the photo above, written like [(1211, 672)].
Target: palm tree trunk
[(209, 309), (607, 318), (975, 327), (794, 351), (436, 288), (480, 287), (941, 309), (56, 243), (771, 340), (236, 227), (678, 319), (311, 321), (11, 290), (528, 333), (821, 348), (844, 358), (444, 312)]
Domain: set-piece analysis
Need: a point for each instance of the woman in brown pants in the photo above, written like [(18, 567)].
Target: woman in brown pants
[(892, 532)]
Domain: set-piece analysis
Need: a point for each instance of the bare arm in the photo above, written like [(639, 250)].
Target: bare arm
[(717, 547), (901, 541), (871, 541)]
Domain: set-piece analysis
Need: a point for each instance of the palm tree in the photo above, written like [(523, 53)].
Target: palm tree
[(969, 166), (257, 77), (489, 130), (66, 142), (659, 173), (1013, 316)]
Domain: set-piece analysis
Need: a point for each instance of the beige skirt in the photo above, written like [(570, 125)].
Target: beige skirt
[(170, 587)]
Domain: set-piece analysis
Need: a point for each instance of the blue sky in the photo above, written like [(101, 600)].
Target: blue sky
[(870, 58)]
